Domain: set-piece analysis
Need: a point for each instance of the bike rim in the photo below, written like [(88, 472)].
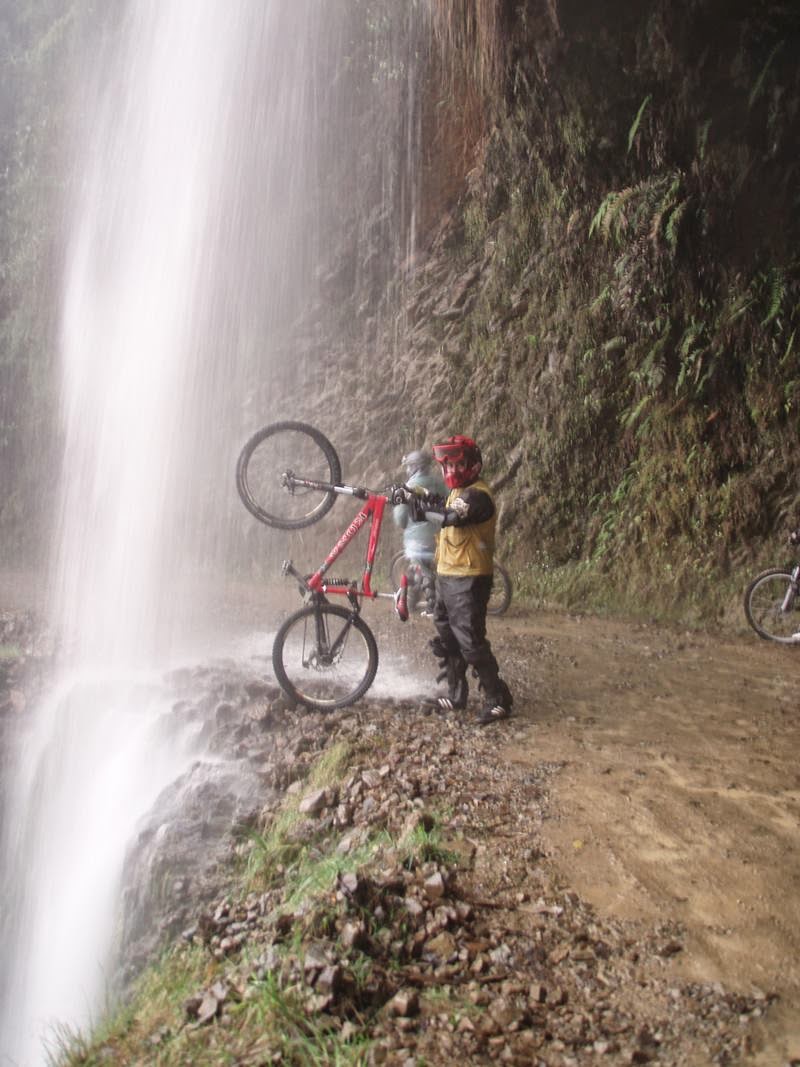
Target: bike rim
[(767, 609)]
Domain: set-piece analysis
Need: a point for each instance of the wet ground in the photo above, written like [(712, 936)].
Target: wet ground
[(677, 798)]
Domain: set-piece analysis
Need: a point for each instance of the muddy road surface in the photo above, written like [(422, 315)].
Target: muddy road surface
[(678, 797)]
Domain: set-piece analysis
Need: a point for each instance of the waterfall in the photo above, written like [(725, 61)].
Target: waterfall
[(149, 178), (196, 227)]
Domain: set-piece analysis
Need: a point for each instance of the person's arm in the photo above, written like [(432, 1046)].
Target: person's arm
[(472, 506)]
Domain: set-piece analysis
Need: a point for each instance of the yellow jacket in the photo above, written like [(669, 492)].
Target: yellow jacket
[(464, 551)]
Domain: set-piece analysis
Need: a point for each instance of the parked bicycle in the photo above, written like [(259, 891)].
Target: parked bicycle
[(772, 602), (420, 576), (324, 655)]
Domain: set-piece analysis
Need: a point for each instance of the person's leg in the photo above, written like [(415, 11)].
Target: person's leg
[(466, 600), (453, 666), (425, 591), (429, 586)]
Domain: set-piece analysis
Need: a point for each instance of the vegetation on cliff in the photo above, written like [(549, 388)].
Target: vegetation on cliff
[(612, 308)]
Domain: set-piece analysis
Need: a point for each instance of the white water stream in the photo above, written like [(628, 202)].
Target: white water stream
[(195, 171), (101, 746)]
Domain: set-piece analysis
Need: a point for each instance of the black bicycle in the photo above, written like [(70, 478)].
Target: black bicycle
[(772, 602), (420, 576)]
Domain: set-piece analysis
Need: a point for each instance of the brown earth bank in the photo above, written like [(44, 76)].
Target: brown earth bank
[(616, 878), (678, 798)]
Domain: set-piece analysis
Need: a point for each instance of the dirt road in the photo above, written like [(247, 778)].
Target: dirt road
[(679, 796)]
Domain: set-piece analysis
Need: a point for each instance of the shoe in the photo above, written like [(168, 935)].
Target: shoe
[(492, 712), (444, 703)]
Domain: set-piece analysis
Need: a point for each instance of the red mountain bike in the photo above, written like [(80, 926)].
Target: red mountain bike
[(324, 655)]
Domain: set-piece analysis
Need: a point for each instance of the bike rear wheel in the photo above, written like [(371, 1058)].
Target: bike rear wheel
[(325, 656), (772, 606), (278, 450), (500, 597)]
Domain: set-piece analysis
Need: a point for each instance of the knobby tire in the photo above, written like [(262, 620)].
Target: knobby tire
[(500, 597), (762, 607), (314, 684)]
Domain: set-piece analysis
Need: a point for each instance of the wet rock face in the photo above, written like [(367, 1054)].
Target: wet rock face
[(172, 866), (184, 849), (453, 938)]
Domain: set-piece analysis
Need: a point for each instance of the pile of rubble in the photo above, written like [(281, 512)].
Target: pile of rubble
[(446, 934)]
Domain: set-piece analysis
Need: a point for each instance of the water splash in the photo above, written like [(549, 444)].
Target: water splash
[(81, 777)]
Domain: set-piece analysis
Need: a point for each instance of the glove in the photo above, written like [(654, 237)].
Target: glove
[(398, 494)]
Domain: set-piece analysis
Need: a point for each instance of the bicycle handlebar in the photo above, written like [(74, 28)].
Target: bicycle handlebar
[(394, 494)]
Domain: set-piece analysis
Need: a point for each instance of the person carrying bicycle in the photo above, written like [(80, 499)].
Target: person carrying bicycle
[(466, 519), (419, 538)]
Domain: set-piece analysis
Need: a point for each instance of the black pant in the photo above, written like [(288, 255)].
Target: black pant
[(460, 620)]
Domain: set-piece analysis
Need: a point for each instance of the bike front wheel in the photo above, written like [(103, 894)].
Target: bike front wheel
[(771, 606), (269, 462), (500, 596), (325, 657)]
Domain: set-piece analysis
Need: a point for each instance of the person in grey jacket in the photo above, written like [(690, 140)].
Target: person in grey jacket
[(419, 538)]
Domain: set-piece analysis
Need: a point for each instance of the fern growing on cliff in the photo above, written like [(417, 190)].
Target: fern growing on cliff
[(638, 120), (776, 283), (673, 224)]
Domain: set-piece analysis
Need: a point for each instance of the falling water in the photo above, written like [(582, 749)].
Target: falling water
[(195, 232), (101, 746)]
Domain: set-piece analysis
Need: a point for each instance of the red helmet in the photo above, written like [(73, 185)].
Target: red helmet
[(461, 460)]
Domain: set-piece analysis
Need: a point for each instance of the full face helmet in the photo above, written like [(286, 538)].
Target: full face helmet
[(417, 462), (461, 461)]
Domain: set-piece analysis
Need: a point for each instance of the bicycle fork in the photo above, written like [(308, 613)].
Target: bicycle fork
[(325, 652), (791, 592)]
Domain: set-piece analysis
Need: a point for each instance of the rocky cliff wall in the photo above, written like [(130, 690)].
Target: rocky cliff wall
[(606, 296)]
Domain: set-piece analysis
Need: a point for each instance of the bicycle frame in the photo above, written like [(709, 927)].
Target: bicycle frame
[(372, 511)]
